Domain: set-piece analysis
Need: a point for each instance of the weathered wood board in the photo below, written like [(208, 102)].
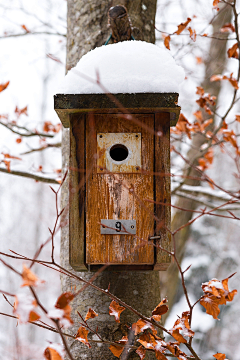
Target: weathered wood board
[(119, 195)]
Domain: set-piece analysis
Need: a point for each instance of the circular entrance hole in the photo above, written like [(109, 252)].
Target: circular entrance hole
[(118, 152)]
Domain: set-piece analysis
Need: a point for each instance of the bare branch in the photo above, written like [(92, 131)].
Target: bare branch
[(30, 176)]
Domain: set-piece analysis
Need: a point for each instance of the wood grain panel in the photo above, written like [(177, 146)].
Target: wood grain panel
[(119, 196), (162, 188)]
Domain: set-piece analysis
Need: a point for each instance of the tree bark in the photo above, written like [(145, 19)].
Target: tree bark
[(87, 29), (215, 63)]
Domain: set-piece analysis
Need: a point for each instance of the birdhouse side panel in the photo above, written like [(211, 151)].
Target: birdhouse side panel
[(162, 189), (77, 192)]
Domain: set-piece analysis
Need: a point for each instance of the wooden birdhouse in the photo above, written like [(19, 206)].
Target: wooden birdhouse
[(119, 178)]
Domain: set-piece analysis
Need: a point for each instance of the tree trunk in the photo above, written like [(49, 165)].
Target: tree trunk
[(87, 29), (214, 64)]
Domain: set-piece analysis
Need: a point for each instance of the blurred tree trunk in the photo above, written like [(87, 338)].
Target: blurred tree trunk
[(215, 63), (87, 29)]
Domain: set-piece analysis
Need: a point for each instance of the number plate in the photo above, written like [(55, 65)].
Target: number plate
[(118, 227)]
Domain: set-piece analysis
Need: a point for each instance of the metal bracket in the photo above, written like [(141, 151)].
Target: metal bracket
[(118, 227)]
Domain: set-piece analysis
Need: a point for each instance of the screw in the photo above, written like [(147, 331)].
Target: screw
[(101, 169), (100, 136), (137, 167), (132, 226), (136, 135)]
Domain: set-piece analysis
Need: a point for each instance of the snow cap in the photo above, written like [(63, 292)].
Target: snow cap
[(124, 67)]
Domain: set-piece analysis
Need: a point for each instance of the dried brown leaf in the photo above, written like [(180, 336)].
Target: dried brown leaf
[(82, 336), (33, 316), (228, 28), (142, 325), (141, 352), (25, 28), (117, 350), (161, 309), (64, 300), (147, 340), (233, 51), (216, 78), (52, 354), (4, 86), (215, 4), (193, 34), (167, 42), (21, 111), (220, 356), (115, 309), (91, 314), (29, 278), (182, 26)]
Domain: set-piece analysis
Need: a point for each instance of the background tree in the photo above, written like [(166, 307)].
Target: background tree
[(139, 289)]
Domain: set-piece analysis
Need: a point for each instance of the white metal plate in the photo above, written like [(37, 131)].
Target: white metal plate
[(130, 141), (118, 227)]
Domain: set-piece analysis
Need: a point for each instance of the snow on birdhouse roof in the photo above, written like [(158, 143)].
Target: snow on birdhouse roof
[(124, 67)]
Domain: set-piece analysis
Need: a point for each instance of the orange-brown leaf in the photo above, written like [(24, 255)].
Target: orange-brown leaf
[(182, 26), (183, 125), (47, 126), (202, 164), (215, 3), (233, 51), (160, 356), (33, 316), (237, 118), (233, 81), (141, 352), (216, 78), (198, 115), (29, 278), (161, 309), (200, 91), (182, 324), (7, 164), (4, 86), (228, 28), (199, 60), (167, 42), (91, 314), (207, 123), (142, 325), (116, 349), (211, 305), (8, 156), (52, 354), (177, 336), (64, 300), (25, 28), (115, 309), (175, 350), (21, 111), (220, 356), (193, 34), (82, 336), (147, 340)]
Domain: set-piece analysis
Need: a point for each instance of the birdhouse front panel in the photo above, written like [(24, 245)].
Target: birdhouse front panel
[(119, 189)]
